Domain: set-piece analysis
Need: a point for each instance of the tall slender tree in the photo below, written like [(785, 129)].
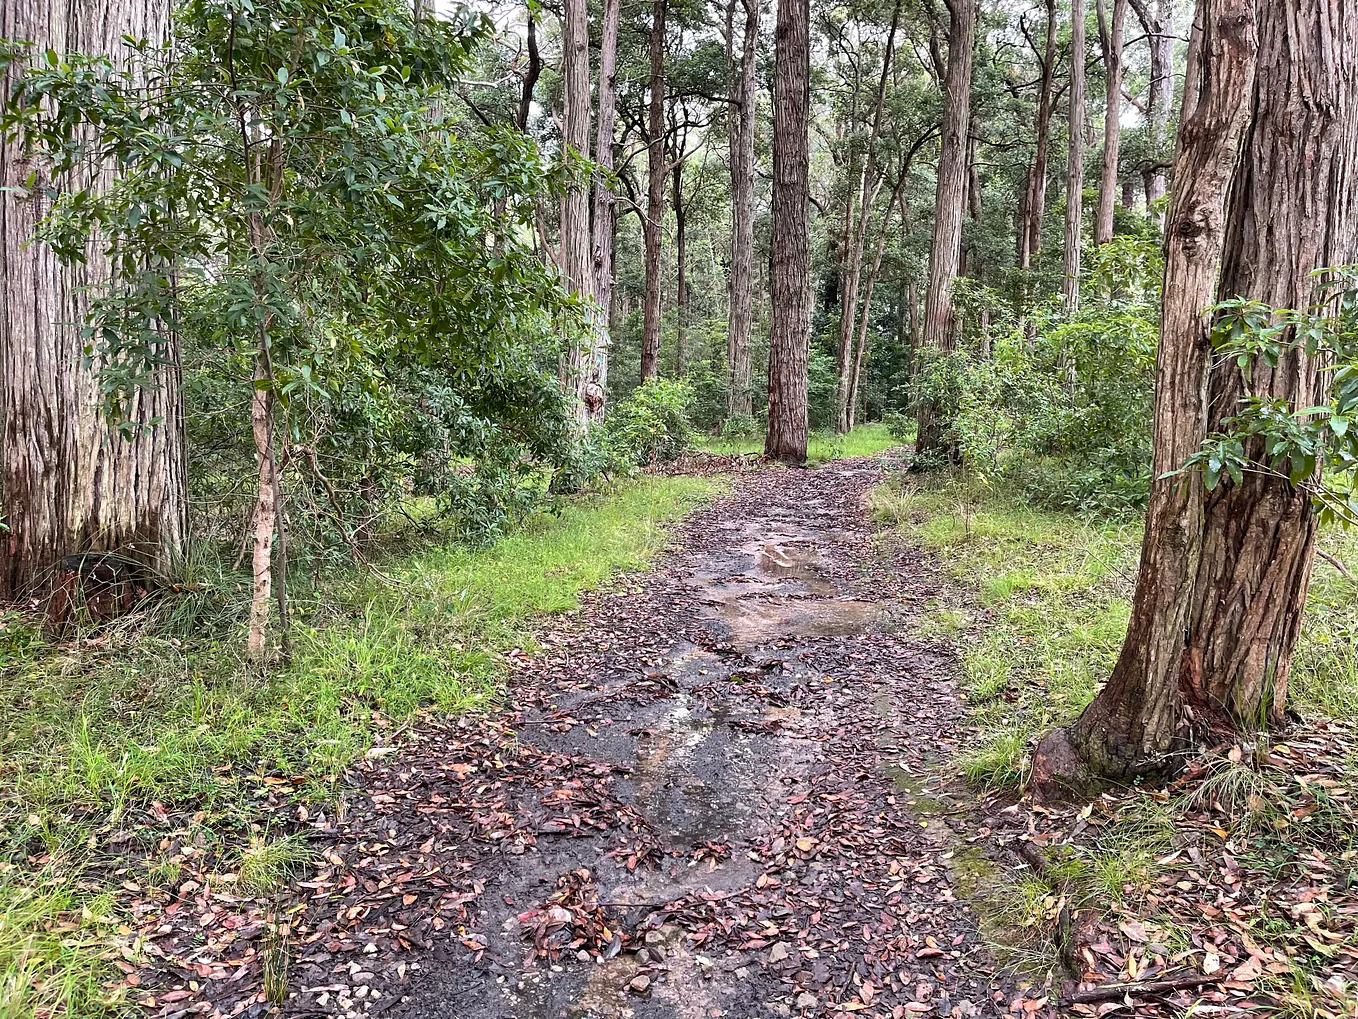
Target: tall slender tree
[(950, 200), (742, 124), (604, 218), (1265, 193), (1158, 24), (861, 207), (790, 279), (1110, 39), (577, 264), (1075, 159), (656, 171), (1035, 198), (70, 482)]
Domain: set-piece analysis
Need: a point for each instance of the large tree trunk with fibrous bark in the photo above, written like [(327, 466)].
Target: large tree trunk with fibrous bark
[(790, 280), (1265, 189), (741, 321), (1075, 161), (656, 171), (70, 482), (577, 262), (950, 200), (1110, 36), (604, 221)]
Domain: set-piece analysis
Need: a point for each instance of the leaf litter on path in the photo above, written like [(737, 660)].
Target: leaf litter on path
[(702, 800)]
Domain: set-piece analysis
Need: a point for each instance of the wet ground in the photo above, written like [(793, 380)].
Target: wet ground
[(706, 802)]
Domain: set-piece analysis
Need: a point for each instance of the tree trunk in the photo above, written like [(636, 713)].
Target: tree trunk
[(656, 171), (604, 222), (680, 258), (1075, 160), (1159, 26), (859, 213), (741, 320), (790, 280), (265, 515), (1110, 36), (577, 263), (1264, 191), (940, 327), (1035, 200), (69, 482)]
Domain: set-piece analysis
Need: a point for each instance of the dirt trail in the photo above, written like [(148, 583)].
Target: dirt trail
[(707, 801), (760, 714)]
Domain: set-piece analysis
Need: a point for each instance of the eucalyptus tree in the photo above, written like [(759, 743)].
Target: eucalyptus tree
[(74, 477), (1254, 390), (790, 276), (1075, 159), (742, 116), (298, 203), (940, 325), (1110, 41)]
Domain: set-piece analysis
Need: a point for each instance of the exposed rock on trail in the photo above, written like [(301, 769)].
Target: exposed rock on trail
[(700, 805)]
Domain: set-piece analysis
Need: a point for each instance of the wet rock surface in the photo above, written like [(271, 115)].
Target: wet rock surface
[(703, 802)]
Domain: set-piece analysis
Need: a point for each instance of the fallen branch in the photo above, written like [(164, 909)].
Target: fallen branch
[(1116, 992)]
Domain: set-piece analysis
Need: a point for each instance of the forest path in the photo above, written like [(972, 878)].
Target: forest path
[(705, 803)]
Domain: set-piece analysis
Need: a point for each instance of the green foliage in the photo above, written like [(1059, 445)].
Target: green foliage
[(651, 426), (1268, 434), (293, 197), (1062, 408)]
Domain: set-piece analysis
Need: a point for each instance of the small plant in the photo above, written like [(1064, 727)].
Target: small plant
[(268, 864), (651, 426)]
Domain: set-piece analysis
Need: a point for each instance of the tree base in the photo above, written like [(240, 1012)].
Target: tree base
[(1059, 771)]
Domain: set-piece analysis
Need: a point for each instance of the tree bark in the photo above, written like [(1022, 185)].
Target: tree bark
[(680, 266), (940, 326), (1075, 159), (859, 212), (1110, 36), (741, 320), (604, 220), (790, 279), (1159, 26), (69, 482), (1264, 191), (577, 263), (1035, 199), (656, 170)]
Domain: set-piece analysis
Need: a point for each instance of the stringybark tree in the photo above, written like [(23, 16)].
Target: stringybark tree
[(653, 224), (858, 214), (742, 111), (1035, 197), (577, 263), (70, 482), (1075, 159), (1110, 38), (790, 280), (945, 252), (604, 218), (1265, 191), (1158, 24)]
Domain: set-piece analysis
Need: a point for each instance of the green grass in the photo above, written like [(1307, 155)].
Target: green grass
[(1040, 616), (1049, 597), (118, 721), (822, 446)]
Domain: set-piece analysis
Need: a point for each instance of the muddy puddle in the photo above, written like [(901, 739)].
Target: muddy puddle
[(784, 587)]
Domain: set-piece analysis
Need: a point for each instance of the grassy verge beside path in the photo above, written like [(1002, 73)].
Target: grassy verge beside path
[(1243, 868), (105, 733), (822, 446)]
